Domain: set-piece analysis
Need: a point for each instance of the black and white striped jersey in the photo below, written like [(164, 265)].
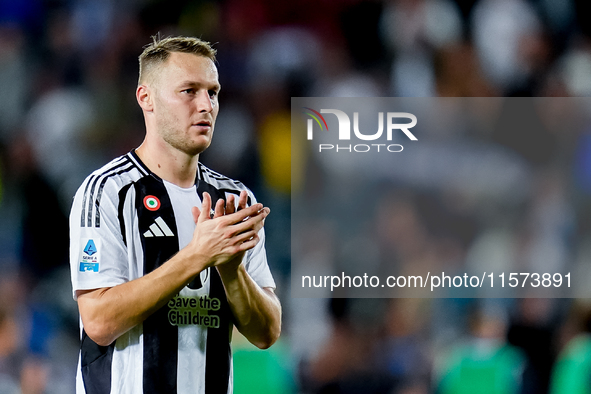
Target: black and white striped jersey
[(125, 222)]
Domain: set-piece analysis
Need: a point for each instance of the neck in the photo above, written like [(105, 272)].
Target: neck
[(168, 163)]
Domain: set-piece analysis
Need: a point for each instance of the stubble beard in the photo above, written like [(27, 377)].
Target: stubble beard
[(179, 139)]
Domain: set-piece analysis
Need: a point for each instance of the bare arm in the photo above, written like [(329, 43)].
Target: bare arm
[(109, 312), (256, 310)]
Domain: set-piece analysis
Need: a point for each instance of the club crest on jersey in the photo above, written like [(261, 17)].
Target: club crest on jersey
[(152, 203), (89, 258)]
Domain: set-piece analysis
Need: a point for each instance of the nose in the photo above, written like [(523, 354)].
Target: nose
[(204, 102)]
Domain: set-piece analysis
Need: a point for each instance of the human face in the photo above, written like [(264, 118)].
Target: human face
[(186, 104)]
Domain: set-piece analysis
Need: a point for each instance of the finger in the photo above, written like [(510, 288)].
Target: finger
[(246, 236), (196, 212), (205, 208), (239, 216), (243, 200), (219, 208), (253, 222), (251, 243), (230, 205)]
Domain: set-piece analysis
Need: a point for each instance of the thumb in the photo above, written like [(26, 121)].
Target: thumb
[(196, 212)]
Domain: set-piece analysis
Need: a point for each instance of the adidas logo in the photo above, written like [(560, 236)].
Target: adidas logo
[(159, 229)]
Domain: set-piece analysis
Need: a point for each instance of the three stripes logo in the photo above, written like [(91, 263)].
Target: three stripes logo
[(159, 229)]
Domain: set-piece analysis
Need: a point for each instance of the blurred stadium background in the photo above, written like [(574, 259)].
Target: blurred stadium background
[(68, 71)]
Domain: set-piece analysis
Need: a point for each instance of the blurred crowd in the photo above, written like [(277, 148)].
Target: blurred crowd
[(68, 72)]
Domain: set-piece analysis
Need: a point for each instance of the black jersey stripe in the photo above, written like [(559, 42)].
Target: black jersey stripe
[(218, 353), (93, 188), (117, 161), (96, 362), (97, 203), (120, 214), (160, 359)]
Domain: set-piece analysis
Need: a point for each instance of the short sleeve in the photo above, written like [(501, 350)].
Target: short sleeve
[(98, 255), (256, 264), (256, 259)]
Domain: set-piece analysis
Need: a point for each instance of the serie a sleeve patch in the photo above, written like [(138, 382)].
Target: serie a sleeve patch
[(89, 256)]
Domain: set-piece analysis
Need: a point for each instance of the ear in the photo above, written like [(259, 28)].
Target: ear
[(143, 94)]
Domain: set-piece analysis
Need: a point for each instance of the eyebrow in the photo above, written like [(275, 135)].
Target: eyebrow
[(216, 86)]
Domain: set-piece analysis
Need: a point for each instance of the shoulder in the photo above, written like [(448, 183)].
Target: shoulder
[(101, 188), (221, 182), (117, 173)]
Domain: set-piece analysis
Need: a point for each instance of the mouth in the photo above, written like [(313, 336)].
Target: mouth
[(202, 123)]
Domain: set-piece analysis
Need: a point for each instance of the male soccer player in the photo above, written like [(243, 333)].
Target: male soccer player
[(166, 254)]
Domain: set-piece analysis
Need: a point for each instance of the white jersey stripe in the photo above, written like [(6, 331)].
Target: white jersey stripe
[(139, 165)]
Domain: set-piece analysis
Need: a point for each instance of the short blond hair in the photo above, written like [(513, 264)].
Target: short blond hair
[(160, 49)]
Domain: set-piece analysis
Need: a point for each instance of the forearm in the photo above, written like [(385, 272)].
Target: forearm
[(108, 313), (257, 311)]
